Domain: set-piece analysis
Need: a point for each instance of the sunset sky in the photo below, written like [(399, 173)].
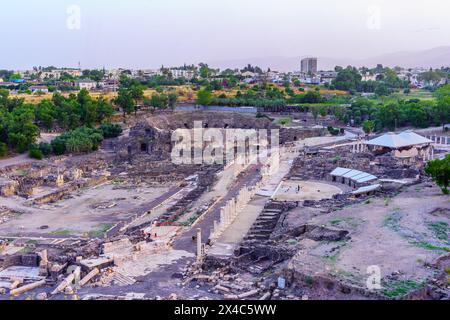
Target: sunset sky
[(149, 33)]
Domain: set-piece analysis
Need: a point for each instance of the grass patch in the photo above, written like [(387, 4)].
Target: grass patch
[(440, 229), (345, 222), (400, 288), (190, 221), (284, 121), (100, 232), (333, 257), (429, 246), (336, 222), (392, 220), (62, 232), (336, 159)]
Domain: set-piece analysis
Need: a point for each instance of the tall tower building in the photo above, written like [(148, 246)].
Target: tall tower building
[(309, 65)]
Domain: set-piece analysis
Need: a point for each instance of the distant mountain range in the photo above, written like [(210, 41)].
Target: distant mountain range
[(432, 58)]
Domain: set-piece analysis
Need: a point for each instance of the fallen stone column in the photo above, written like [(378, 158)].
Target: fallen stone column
[(27, 287), (66, 282), (248, 294), (89, 277), (266, 296)]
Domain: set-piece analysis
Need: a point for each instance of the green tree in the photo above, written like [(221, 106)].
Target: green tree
[(125, 101), (368, 126), (111, 130), (315, 113), (439, 170), (347, 79), (137, 93), (3, 149), (204, 97), (172, 100)]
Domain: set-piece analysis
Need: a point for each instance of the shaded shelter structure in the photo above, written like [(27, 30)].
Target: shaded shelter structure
[(406, 145)]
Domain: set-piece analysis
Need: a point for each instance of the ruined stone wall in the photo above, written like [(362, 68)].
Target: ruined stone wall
[(297, 134), (71, 187)]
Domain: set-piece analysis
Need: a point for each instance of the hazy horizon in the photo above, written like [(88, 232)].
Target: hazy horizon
[(151, 33)]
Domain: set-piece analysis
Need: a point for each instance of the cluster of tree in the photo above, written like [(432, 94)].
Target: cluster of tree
[(74, 111), (6, 74), (163, 80), (258, 96), (94, 75), (162, 100), (433, 77), (205, 71), (309, 97), (129, 96), (111, 130), (20, 122), (350, 79), (17, 124), (394, 114), (254, 69), (80, 140)]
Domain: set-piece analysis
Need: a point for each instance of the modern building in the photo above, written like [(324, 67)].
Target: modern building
[(86, 84), (309, 65), (327, 77), (38, 89)]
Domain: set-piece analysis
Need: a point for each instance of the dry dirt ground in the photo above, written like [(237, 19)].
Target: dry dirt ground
[(401, 235), (305, 190), (87, 212)]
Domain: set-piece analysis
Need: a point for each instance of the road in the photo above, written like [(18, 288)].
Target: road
[(16, 160)]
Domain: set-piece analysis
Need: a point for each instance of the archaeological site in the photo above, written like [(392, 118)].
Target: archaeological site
[(316, 216)]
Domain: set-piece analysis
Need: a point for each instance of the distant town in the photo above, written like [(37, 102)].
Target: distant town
[(51, 79)]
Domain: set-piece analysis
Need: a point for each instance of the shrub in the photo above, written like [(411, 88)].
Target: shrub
[(35, 153), (111, 130), (46, 148), (333, 131), (59, 146), (3, 149), (78, 141)]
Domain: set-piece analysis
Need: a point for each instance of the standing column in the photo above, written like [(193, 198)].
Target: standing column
[(199, 244), (216, 227)]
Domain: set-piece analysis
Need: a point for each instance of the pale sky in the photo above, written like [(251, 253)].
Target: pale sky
[(150, 33)]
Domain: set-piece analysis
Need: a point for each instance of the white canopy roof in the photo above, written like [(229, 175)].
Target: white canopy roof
[(414, 137), (352, 174), (395, 141)]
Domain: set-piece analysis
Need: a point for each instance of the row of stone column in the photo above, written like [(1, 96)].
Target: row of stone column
[(439, 139), (359, 147), (235, 206), (231, 210)]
